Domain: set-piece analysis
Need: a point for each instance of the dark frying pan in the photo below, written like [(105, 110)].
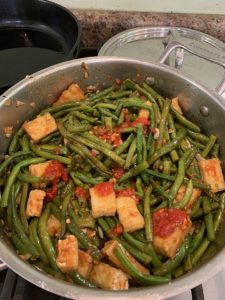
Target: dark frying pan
[(34, 34)]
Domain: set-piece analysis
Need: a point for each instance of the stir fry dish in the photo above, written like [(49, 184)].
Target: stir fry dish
[(113, 188)]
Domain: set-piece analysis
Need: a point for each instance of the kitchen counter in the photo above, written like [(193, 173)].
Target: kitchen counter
[(100, 25)]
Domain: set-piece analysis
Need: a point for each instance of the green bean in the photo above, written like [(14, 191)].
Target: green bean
[(209, 226), (18, 227), (140, 256), (219, 213), (101, 94), (80, 280), (172, 263), (82, 116), (25, 143), (196, 183), (13, 175), (45, 238), (95, 139), (47, 155), (111, 154), (198, 136), (27, 178), (200, 146), (197, 254), (143, 247), (33, 233), (57, 274), (88, 179), (136, 102), (119, 94), (81, 236), (107, 112), (93, 161), (147, 214), (15, 141), (78, 128), (187, 196), (130, 269), (51, 137), (139, 143), (209, 146), (178, 181), (183, 121), (22, 208), (167, 148), (134, 171), (154, 94), (139, 187), (20, 246), (215, 150), (206, 205), (173, 131), (197, 238), (130, 154), (9, 159), (163, 122)]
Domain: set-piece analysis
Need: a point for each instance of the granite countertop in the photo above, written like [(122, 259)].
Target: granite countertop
[(99, 25)]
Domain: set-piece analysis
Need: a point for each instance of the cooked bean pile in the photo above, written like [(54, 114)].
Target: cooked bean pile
[(112, 188)]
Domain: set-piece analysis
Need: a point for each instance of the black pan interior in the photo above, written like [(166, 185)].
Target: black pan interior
[(34, 34)]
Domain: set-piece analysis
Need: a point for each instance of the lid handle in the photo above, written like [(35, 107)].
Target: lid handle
[(216, 57)]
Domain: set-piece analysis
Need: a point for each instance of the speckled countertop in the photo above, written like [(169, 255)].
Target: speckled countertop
[(99, 25)]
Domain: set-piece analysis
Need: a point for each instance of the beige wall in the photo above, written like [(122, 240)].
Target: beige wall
[(184, 6)]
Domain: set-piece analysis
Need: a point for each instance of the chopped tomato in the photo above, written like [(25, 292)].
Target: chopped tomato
[(141, 120), (116, 231), (52, 191), (103, 133), (55, 171), (104, 188), (118, 172), (128, 192), (80, 192), (166, 220)]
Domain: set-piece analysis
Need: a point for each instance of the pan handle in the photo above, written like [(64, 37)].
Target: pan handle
[(215, 56)]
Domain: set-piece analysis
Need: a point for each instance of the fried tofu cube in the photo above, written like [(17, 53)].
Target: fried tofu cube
[(103, 200), (67, 259), (53, 226), (109, 278), (170, 227), (40, 127), (175, 104), (35, 203), (85, 264), (194, 197), (108, 251), (144, 113), (212, 174), (38, 170), (73, 93), (128, 213), (170, 245)]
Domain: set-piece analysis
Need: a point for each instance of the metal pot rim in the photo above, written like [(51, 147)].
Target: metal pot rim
[(68, 290)]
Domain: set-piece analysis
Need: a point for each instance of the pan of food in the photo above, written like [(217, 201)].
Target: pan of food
[(112, 180)]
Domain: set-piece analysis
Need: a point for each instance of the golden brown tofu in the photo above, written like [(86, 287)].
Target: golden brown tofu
[(85, 264), (38, 170), (109, 278), (67, 259), (194, 197), (53, 226), (128, 214), (144, 113), (35, 203), (212, 174), (40, 127), (73, 93), (103, 204), (108, 251), (175, 104)]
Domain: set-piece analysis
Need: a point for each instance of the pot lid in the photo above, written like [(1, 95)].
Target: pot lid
[(196, 54)]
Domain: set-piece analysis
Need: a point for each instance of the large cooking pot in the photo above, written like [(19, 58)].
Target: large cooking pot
[(205, 108)]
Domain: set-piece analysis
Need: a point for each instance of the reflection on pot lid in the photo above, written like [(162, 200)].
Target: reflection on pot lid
[(150, 43)]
